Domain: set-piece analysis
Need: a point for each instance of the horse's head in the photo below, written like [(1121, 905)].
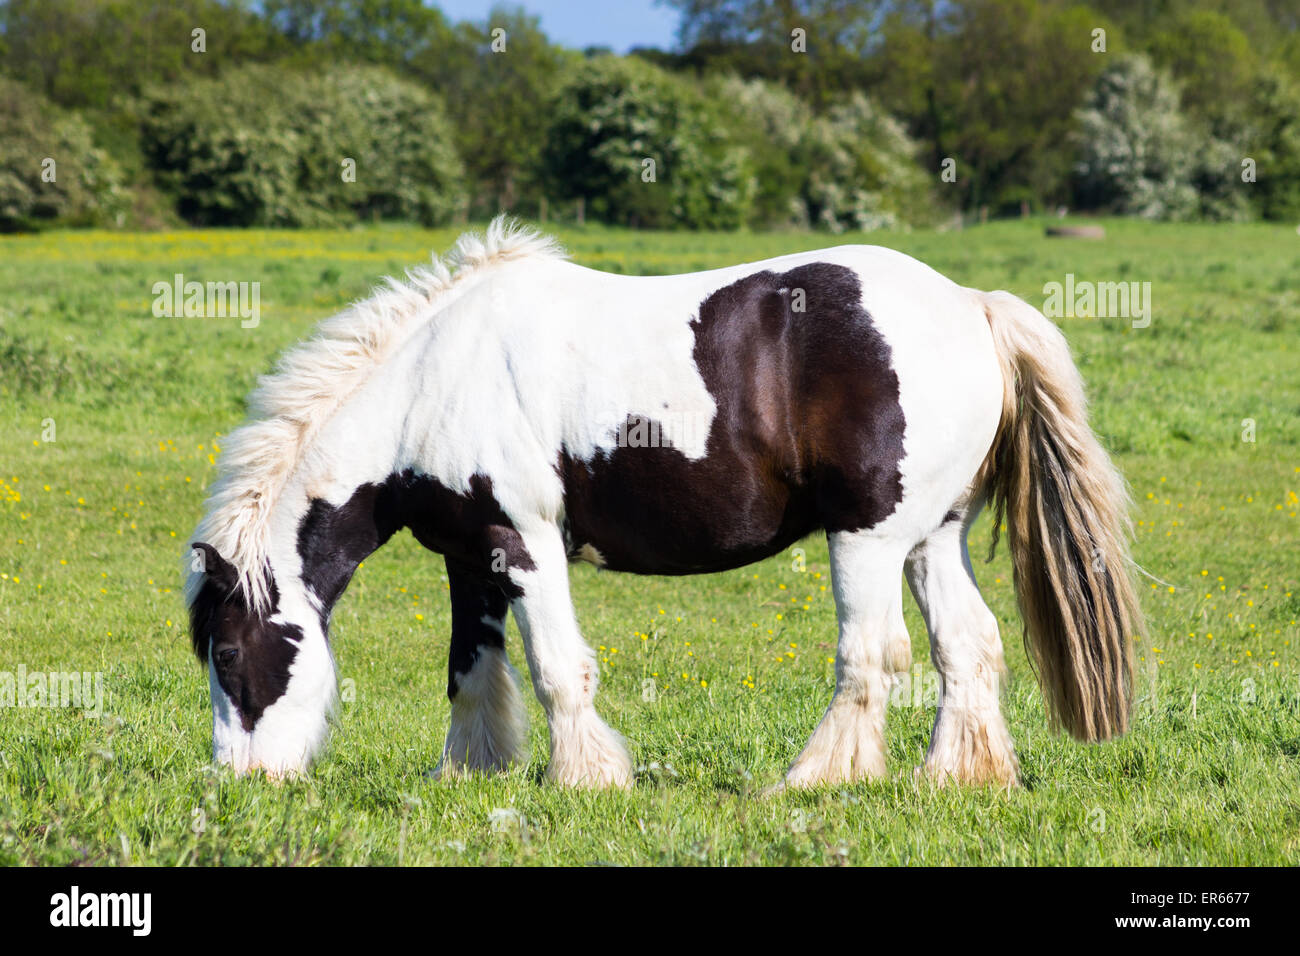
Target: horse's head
[(269, 670)]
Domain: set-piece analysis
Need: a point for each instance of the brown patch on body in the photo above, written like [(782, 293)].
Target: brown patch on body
[(808, 433)]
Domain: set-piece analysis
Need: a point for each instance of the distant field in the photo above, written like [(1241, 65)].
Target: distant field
[(92, 525)]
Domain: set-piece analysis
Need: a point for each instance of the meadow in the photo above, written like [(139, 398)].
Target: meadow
[(111, 420)]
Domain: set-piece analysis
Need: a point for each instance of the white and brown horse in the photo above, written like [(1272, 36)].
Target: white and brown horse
[(516, 412)]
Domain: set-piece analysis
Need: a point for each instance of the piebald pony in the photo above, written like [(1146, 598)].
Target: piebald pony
[(516, 411)]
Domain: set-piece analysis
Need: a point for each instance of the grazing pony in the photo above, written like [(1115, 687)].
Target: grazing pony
[(517, 412)]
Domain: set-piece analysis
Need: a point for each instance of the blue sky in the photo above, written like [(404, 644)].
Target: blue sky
[(618, 24)]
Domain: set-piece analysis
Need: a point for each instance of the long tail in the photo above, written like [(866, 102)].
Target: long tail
[(1066, 511)]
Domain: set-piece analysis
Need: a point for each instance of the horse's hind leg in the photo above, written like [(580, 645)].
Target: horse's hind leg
[(848, 744), (584, 751), (970, 743), (488, 721)]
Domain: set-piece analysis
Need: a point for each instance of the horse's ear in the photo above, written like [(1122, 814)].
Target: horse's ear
[(204, 557)]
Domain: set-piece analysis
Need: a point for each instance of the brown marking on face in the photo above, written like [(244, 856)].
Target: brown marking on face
[(251, 654)]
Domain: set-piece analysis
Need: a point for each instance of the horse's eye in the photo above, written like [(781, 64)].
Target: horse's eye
[(227, 656)]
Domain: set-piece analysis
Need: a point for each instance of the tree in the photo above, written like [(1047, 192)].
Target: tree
[(394, 33), (816, 48), (324, 149), (1213, 62), (498, 79), (863, 170), (1270, 139), (50, 169), (495, 76), (1136, 153), (87, 53), (641, 147), (991, 85), (852, 167), (773, 125)]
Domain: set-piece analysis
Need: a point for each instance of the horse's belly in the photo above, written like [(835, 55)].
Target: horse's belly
[(653, 511)]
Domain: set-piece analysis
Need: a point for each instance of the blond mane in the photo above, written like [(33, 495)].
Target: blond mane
[(312, 381)]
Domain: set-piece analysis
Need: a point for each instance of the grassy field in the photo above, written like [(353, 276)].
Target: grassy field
[(92, 524)]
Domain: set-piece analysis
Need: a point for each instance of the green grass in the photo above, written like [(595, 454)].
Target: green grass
[(92, 525)]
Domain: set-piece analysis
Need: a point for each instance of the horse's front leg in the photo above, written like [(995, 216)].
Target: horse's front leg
[(489, 726), (584, 751)]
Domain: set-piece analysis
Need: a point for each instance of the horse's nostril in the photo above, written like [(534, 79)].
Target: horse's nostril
[(227, 655)]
